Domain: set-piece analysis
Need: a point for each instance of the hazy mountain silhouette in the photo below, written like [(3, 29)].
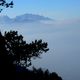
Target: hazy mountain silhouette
[(5, 19), (30, 18), (23, 18)]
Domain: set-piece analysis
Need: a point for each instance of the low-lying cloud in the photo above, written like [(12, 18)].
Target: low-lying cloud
[(63, 39)]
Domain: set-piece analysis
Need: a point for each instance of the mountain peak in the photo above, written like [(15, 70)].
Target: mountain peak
[(24, 18), (30, 18)]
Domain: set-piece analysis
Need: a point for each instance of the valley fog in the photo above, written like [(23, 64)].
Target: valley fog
[(63, 42)]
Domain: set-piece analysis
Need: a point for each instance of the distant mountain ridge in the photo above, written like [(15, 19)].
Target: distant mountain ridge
[(23, 18), (5, 19)]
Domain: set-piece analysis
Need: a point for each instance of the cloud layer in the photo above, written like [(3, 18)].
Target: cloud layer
[(63, 39)]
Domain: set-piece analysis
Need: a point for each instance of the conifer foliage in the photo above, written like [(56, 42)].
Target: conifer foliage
[(5, 4), (20, 52)]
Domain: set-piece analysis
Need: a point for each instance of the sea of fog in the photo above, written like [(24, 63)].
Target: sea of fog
[(63, 41)]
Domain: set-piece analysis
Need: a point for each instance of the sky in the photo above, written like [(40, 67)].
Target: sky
[(56, 9)]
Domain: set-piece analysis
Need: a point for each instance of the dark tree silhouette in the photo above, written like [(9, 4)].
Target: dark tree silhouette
[(37, 74), (5, 4), (15, 56), (14, 51), (19, 51)]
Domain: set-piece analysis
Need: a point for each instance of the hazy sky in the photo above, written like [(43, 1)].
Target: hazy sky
[(56, 9)]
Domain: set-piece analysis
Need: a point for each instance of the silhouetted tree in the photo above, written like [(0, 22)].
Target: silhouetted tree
[(5, 4), (14, 51), (7, 68), (54, 76), (37, 74), (19, 51)]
